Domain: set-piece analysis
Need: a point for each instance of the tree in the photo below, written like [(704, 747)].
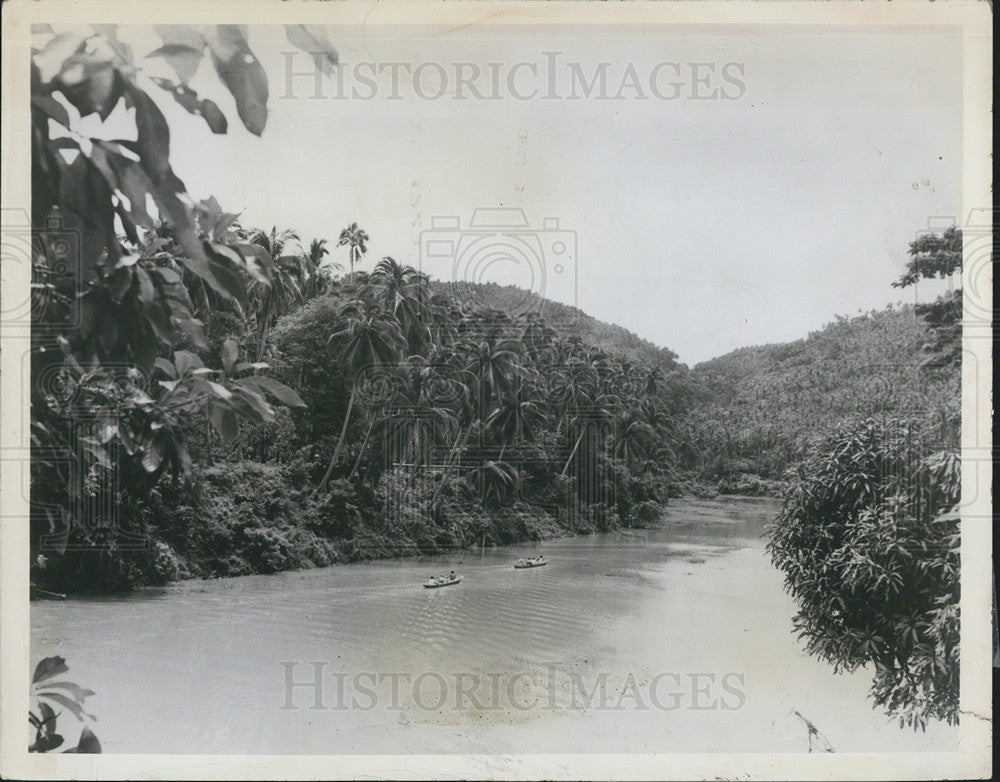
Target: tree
[(118, 316), (368, 336), (516, 418), (494, 363), (290, 274), (357, 243), (404, 292), (319, 270), (868, 540), (934, 256)]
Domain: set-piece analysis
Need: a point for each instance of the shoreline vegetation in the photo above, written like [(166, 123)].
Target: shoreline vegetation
[(417, 424)]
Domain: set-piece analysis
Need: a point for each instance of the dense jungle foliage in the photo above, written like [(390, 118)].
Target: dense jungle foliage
[(761, 410), (212, 399)]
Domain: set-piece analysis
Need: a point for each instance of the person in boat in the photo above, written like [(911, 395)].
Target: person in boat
[(452, 576)]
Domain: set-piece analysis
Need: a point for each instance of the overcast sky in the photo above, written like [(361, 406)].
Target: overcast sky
[(702, 225)]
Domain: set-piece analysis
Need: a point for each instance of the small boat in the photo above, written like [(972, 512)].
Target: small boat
[(434, 583), (531, 562), (37, 593)]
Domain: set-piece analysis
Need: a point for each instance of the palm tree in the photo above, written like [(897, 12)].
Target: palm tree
[(367, 337), (651, 383), (516, 418), (495, 479), (598, 410), (404, 292), (633, 437), (495, 364), (319, 277), (571, 387), (420, 415), (357, 241), (289, 275)]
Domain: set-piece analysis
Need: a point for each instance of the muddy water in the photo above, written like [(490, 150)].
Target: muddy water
[(675, 639)]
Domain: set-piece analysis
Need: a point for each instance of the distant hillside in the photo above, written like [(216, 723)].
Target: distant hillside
[(761, 407), (744, 418), (563, 318)]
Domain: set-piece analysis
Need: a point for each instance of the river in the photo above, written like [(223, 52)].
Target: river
[(674, 639)]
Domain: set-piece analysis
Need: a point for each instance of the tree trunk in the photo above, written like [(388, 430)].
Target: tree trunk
[(265, 321), (340, 444), (453, 457), (573, 452), (361, 453)]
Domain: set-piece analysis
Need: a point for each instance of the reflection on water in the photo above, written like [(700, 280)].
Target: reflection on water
[(504, 661)]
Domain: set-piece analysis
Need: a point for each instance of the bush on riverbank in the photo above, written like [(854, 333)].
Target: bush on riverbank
[(868, 540)]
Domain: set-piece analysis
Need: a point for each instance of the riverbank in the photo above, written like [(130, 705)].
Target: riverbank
[(737, 485), (250, 518)]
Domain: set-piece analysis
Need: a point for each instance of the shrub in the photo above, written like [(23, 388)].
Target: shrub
[(868, 540)]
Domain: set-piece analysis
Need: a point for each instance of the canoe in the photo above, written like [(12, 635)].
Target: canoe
[(37, 593), (520, 565), (435, 584)]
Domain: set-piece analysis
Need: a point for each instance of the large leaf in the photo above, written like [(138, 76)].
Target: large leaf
[(153, 454), (153, 134), (220, 390), (183, 58), (52, 108), (257, 260), (88, 745), (279, 390), (79, 693), (225, 277), (88, 214), (48, 715), (224, 421), (91, 84), (242, 73), (191, 103), (252, 403), (46, 742), (186, 361), (62, 700), (133, 182), (49, 667), (314, 40)]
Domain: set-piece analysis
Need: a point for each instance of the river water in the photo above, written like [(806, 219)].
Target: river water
[(675, 639)]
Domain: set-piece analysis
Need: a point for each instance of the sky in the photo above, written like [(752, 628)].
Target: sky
[(700, 224)]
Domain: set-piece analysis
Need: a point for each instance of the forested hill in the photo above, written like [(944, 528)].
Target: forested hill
[(741, 420), (761, 407), (566, 320)]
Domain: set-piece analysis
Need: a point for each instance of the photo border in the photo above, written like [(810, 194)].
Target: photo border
[(971, 760)]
